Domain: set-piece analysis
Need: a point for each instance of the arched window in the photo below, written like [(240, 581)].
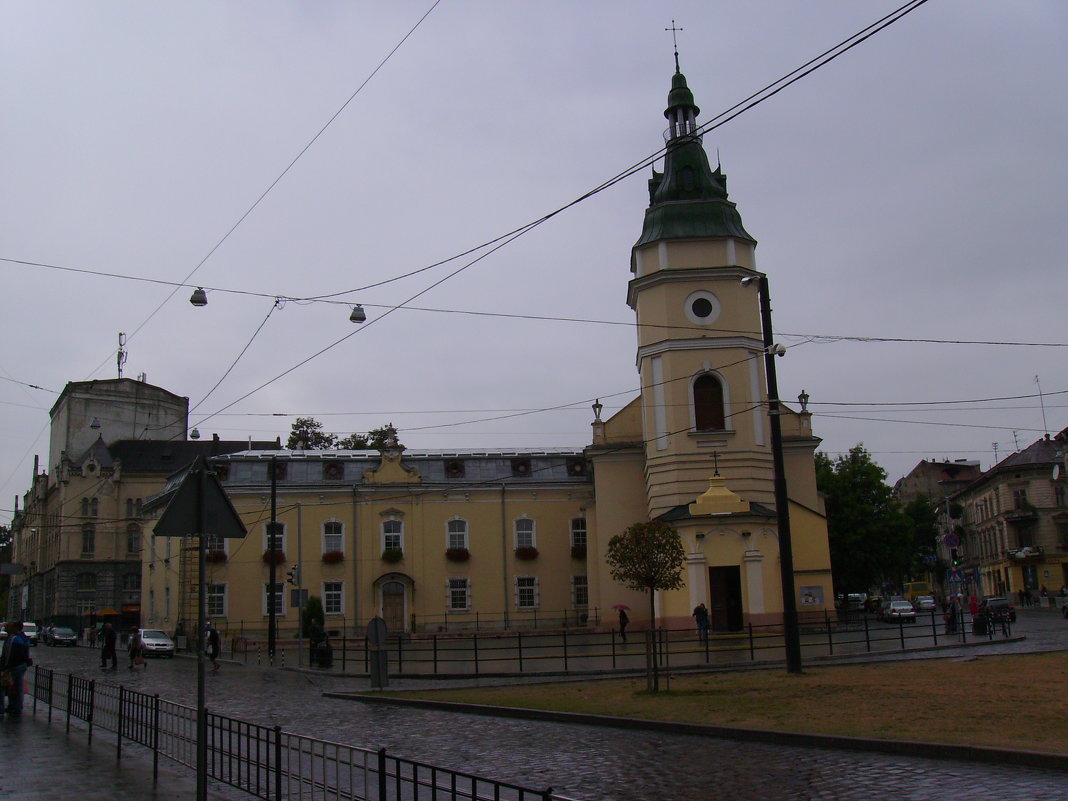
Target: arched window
[(133, 538), (392, 535), (708, 404)]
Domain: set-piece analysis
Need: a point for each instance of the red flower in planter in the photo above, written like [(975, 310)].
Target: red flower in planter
[(333, 557), (457, 554), (526, 552), (278, 557), (578, 551), (215, 556)]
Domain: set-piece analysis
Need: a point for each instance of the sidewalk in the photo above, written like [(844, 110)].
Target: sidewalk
[(42, 761)]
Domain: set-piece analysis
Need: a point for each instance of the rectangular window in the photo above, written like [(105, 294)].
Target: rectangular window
[(526, 592), (133, 540), (524, 533), (457, 534), (213, 542), (581, 590), (88, 541), (274, 537), (276, 597), (392, 535), (216, 600), (1060, 495), (578, 532), (333, 535), (1019, 498), (333, 598), (459, 599)]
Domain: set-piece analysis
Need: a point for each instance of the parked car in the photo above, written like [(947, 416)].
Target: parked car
[(997, 608), (925, 603), (875, 603), (58, 635), (894, 611), (30, 630), (156, 642)]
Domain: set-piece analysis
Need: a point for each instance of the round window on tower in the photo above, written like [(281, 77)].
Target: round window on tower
[(702, 308)]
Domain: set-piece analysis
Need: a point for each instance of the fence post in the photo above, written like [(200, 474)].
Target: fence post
[(867, 635), (963, 628), (155, 738), (474, 637), (519, 647), (830, 636), (92, 703), (613, 635), (381, 774), (901, 632), (565, 650), (934, 628), (118, 724), (70, 695), (278, 763), (400, 654), (752, 647), (548, 794), (344, 648), (51, 692)]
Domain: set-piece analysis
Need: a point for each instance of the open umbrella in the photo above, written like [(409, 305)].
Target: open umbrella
[(621, 606)]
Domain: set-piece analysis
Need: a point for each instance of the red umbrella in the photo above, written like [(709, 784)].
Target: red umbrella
[(621, 606)]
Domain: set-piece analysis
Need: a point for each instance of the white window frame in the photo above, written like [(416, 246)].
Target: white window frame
[(533, 532), (340, 597), (280, 608), (580, 584), (213, 540), (463, 583), (215, 591), (340, 536), (449, 533), (398, 534), (584, 530), (523, 584), (267, 536)]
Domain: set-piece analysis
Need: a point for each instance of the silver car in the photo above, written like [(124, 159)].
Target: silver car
[(156, 642), (925, 603)]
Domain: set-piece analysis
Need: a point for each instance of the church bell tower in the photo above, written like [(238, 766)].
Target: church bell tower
[(700, 348)]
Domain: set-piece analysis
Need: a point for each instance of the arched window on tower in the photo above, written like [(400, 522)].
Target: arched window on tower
[(708, 404)]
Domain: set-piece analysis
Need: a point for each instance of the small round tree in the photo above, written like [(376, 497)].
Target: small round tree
[(648, 557)]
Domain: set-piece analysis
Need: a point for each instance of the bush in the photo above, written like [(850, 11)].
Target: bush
[(333, 557)]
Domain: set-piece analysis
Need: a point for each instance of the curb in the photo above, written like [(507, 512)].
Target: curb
[(910, 748)]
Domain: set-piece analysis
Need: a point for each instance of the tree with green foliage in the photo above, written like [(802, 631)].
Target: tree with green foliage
[(869, 535), (308, 434), (313, 619), (648, 557), (922, 519), (378, 439)]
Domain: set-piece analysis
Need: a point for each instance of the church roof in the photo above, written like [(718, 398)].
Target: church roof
[(688, 200)]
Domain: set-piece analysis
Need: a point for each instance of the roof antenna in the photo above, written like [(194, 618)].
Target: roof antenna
[(675, 39)]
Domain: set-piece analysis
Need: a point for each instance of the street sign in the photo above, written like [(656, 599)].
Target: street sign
[(198, 501), (952, 540)]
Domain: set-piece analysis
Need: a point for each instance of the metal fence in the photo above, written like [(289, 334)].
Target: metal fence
[(525, 652), (263, 761)]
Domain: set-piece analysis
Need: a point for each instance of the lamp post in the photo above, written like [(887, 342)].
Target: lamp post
[(791, 634)]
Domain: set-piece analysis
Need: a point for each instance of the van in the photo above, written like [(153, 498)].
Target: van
[(30, 630)]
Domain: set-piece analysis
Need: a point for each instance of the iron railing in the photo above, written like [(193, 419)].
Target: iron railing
[(263, 761)]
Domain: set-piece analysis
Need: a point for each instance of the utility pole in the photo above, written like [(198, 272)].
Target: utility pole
[(273, 543)]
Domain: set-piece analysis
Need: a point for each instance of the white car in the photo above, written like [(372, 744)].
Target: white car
[(156, 642)]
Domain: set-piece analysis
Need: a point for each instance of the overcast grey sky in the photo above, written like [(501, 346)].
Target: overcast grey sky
[(914, 188)]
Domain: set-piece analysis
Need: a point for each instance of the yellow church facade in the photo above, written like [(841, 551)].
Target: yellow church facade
[(460, 540)]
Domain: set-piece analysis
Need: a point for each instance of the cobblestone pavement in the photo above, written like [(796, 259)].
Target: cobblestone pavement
[(588, 762)]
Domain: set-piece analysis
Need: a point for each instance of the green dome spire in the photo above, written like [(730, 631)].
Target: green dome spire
[(688, 200)]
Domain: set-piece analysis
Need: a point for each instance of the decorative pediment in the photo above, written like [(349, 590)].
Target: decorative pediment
[(391, 471)]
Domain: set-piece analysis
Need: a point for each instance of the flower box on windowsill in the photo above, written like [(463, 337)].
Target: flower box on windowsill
[(457, 554), (578, 551), (278, 557), (392, 555), (526, 553), (215, 556), (333, 557)]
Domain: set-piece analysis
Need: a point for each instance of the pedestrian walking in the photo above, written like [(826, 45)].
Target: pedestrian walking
[(137, 651), (700, 614), (623, 621), (214, 645), (109, 638), (951, 618), (14, 659)]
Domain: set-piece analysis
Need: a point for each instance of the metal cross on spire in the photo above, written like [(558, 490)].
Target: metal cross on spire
[(675, 40), (715, 462)]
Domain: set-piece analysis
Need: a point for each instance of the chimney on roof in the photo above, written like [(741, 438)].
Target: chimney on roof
[(214, 437)]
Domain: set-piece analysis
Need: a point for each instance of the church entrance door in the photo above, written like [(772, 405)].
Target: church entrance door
[(393, 606), (725, 591)]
